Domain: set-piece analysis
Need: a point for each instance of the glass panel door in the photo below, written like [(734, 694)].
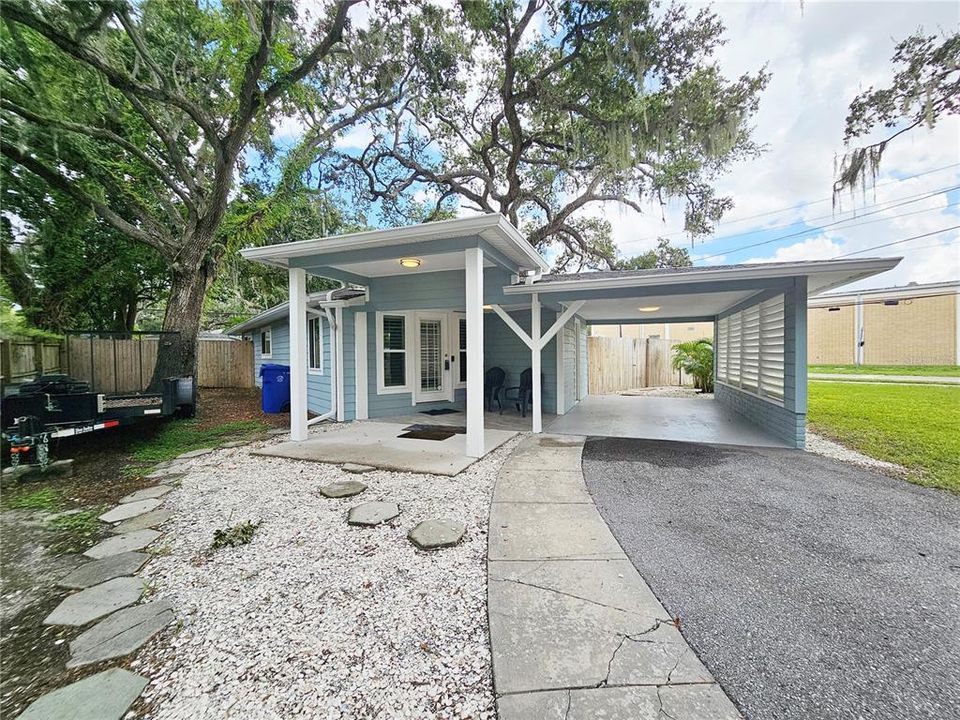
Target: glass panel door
[(432, 358)]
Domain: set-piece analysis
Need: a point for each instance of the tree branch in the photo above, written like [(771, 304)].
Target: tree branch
[(63, 184)]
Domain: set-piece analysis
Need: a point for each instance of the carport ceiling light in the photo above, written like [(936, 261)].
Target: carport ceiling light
[(410, 262), (649, 308)]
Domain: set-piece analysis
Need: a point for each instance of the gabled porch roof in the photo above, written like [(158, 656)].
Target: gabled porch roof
[(357, 257)]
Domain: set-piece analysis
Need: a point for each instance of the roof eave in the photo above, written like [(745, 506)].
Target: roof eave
[(860, 268)]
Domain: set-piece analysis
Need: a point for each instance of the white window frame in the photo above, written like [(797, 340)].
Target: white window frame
[(266, 333), (455, 350), (315, 369), (408, 349)]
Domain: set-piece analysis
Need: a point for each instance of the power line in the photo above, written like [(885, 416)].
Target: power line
[(807, 231), (801, 205), (898, 242)]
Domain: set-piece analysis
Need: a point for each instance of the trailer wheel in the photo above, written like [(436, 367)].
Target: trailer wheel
[(185, 412)]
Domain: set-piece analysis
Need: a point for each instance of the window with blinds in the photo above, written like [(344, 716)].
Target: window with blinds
[(750, 349)]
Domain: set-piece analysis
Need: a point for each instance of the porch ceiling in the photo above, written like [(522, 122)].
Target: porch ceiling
[(391, 266), (669, 307)]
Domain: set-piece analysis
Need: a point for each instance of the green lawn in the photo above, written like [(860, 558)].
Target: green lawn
[(180, 436), (917, 426), (935, 370)]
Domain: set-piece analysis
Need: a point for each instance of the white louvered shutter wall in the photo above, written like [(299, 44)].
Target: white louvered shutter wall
[(771, 348), (733, 351), (722, 345), (750, 355)]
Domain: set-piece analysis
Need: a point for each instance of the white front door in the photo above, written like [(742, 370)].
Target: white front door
[(432, 380)]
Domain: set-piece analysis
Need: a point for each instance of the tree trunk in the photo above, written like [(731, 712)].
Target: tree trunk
[(177, 354)]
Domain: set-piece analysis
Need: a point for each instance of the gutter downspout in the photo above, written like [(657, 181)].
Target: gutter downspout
[(335, 370)]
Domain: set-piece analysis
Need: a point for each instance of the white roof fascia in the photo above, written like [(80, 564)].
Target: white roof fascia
[(279, 311), (865, 267), (493, 227)]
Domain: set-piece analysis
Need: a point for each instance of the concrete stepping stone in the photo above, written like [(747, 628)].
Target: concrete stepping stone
[(97, 601), (194, 454), (120, 634), (129, 510), (136, 540), (142, 522), (438, 533), (99, 571), (104, 696), (161, 471), (343, 488), (149, 493), (277, 431), (234, 444), (356, 468), (170, 478), (372, 513)]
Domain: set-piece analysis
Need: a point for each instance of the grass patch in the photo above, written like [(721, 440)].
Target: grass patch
[(180, 436), (917, 426), (239, 534), (915, 370), (46, 499), (77, 531)]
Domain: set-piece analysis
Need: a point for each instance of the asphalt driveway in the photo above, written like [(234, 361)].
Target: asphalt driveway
[(810, 588)]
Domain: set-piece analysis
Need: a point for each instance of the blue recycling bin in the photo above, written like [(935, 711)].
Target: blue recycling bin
[(276, 387)]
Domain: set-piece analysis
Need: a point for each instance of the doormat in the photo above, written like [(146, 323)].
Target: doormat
[(456, 429), (439, 411), (427, 434)]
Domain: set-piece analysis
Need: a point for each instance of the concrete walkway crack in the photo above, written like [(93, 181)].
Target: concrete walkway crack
[(574, 596)]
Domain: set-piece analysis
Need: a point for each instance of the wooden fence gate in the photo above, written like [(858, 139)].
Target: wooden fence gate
[(618, 364)]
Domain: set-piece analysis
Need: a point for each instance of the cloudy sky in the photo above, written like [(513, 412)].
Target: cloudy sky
[(821, 55)]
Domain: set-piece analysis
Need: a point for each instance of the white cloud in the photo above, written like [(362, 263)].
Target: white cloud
[(820, 58), (818, 248)]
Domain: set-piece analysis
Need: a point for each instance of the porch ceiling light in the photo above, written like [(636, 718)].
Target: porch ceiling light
[(649, 308), (410, 262)]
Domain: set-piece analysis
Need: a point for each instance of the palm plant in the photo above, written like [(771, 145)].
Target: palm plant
[(695, 358)]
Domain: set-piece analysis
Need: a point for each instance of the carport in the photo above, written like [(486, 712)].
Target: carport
[(759, 312)]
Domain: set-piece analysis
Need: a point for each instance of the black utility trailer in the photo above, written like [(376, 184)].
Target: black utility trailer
[(106, 386)]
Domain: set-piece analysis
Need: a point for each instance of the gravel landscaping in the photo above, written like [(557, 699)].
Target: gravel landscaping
[(316, 618)]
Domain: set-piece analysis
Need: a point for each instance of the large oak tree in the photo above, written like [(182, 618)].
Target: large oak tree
[(566, 109), (146, 111)]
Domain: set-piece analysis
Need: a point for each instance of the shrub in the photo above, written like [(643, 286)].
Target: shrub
[(696, 359)]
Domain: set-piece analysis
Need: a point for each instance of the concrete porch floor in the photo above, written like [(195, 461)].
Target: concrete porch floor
[(376, 443), (699, 420)]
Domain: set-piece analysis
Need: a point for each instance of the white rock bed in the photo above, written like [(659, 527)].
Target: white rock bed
[(314, 618), (820, 445)]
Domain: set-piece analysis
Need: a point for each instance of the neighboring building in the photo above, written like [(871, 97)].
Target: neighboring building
[(915, 324), (679, 332), (427, 309)]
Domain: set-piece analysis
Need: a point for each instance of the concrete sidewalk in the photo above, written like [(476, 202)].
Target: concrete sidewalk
[(897, 379), (575, 632)]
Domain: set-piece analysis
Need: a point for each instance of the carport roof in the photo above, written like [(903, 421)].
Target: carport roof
[(690, 293), (824, 275)]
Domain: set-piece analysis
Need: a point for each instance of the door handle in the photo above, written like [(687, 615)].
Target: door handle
[(446, 363)]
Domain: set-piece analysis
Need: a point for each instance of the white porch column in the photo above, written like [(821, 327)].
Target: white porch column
[(474, 305), (298, 354), (535, 362)]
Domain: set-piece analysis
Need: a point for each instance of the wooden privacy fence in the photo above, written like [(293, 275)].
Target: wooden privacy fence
[(618, 364), (22, 359), (119, 364)]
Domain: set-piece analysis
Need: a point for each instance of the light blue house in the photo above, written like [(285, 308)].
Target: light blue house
[(425, 310)]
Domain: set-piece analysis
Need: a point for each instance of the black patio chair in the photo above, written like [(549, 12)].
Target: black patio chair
[(524, 392), (493, 380)]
